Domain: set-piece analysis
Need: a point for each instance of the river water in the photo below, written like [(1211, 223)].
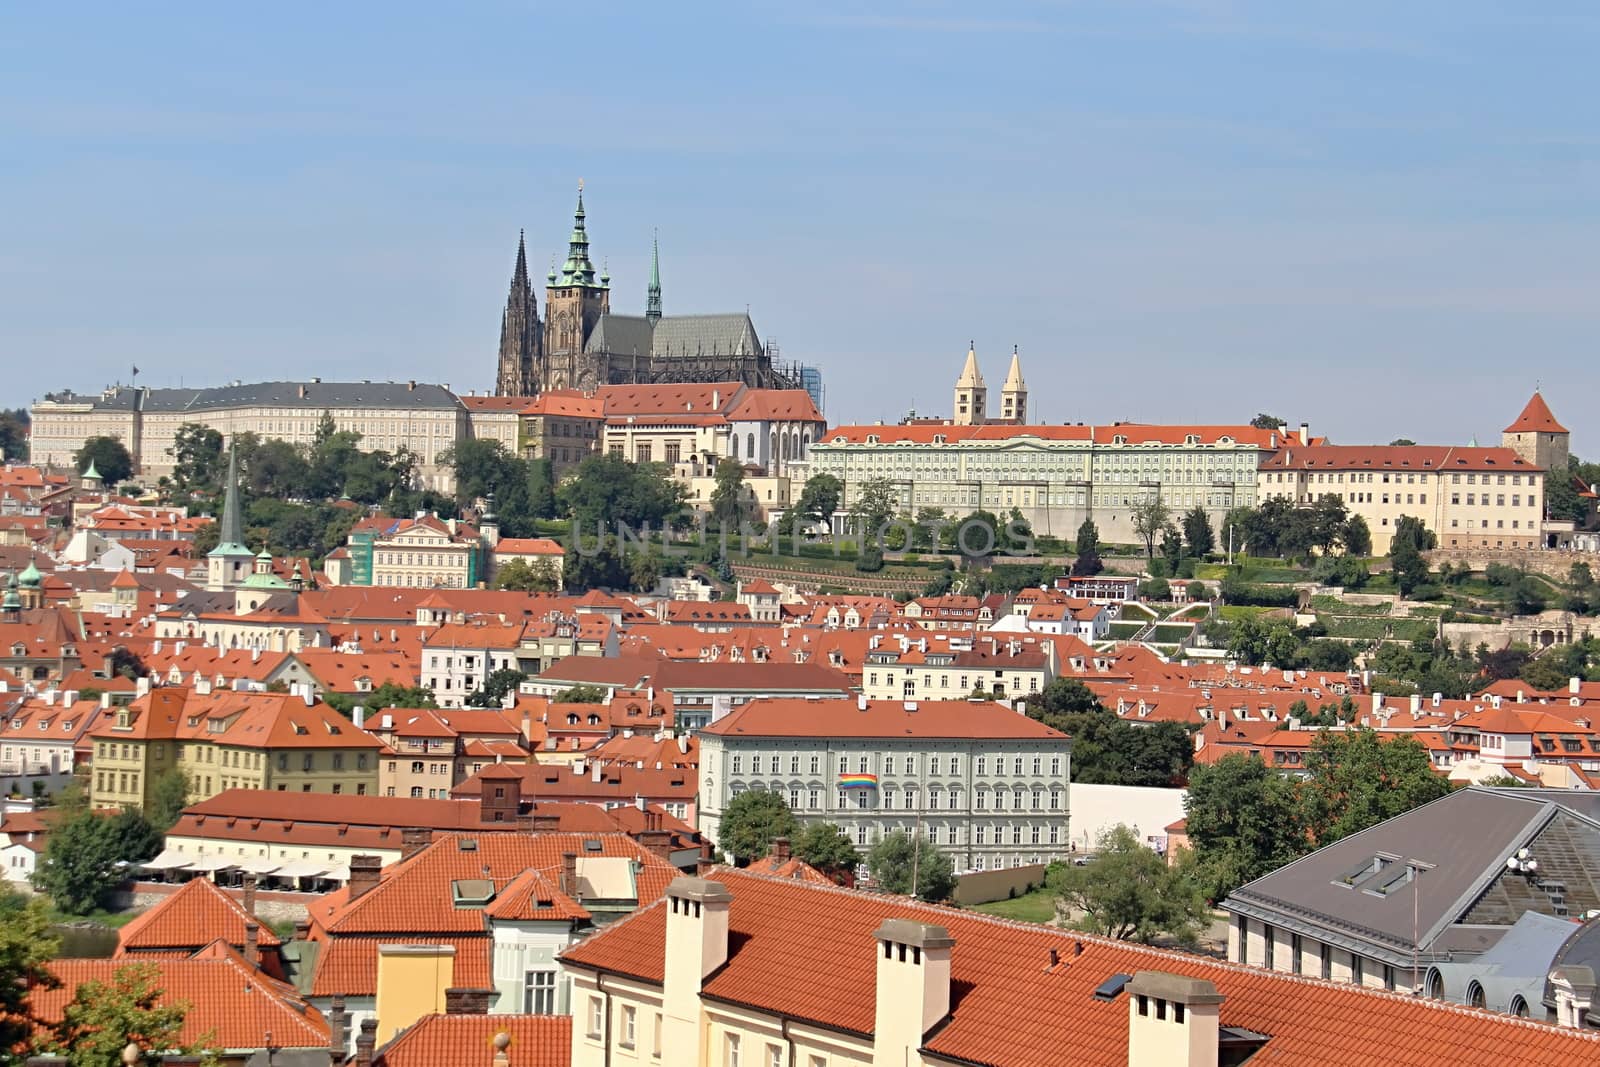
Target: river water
[(86, 942)]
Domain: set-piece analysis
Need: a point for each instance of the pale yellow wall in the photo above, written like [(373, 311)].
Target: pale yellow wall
[(411, 983), (883, 682)]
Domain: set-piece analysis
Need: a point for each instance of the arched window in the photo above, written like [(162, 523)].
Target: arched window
[(750, 446), (734, 445), (1474, 994), (1519, 1007)]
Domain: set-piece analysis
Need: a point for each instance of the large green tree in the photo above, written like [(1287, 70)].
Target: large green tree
[(606, 490), (1355, 779), (911, 867), (730, 498), (109, 456), (14, 427), (819, 499), (1197, 532), (104, 1017), (1244, 821), (199, 463), (1150, 520), (1107, 750), (1411, 539), (169, 795), (496, 687), (540, 576), (1088, 561), (83, 860), (27, 945), (875, 506), (1129, 892), (751, 822), (825, 847)]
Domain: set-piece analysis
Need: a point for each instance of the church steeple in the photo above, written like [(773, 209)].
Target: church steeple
[(229, 563), (578, 270), (519, 331), (1014, 393), (972, 396), (652, 303)]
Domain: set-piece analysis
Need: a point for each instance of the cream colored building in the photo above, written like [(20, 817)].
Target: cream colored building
[(426, 419), (1468, 497)]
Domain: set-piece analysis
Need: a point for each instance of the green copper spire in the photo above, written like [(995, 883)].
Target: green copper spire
[(652, 301), (578, 270), (30, 578), (12, 603), (231, 541), (91, 473)]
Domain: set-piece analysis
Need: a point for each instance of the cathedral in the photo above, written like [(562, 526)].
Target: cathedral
[(581, 344)]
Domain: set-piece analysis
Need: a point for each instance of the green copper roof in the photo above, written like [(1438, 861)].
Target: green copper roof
[(11, 601), (578, 270), (231, 539), (91, 472), (266, 580), (31, 577)]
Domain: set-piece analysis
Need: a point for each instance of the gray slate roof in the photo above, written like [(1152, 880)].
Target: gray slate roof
[(676, 336), (310, 395), (1466, 836)]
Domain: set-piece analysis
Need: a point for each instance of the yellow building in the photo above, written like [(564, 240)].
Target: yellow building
[(222, 739), (1468, 497)]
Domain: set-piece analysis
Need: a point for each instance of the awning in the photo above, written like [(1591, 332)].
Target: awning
[(301, 869), (339, 872), (170, 860), (211, 863), (258, 865)]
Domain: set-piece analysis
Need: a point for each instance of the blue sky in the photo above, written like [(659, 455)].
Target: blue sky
[(1378, 217)]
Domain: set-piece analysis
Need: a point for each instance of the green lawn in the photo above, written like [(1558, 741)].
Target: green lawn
[(1170, 633), (1036, 907), (1123, 631)]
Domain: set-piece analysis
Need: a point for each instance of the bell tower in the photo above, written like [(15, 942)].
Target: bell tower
[(1014, 393), (972, 396), (574, 301)]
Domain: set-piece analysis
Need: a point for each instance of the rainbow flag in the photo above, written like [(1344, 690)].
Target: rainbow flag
[(858, 781)]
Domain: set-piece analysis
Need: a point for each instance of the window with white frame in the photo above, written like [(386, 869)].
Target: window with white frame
[(539, 992), (597, 1016)]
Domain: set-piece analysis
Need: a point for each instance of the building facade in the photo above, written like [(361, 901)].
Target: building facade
[(981, 782)]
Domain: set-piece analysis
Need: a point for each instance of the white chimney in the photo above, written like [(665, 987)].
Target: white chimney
[(913, 988), (1377, 702), (1172, 1020), (1575, 686), (696, 945), (1416, 704)]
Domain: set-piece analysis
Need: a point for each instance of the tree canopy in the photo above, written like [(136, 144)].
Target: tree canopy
[(1129, 892), (85, 855), (1088, 561), (26, 946), (110, 458), (751, 822), (605, 490), (103, 1017), (825, 847), (910, 867), (1107, 750)]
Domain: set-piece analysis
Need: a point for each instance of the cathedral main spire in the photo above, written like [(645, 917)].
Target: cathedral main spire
[(519, 330), (652, 304), (578, 270)]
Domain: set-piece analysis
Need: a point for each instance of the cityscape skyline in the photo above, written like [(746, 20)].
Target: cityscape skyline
[(1301, 204)]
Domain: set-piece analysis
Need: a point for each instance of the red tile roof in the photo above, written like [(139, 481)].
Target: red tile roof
[(195, 915), (1395, 457), (528, 546), (806, 952), (469, 1041), (1536, 417)]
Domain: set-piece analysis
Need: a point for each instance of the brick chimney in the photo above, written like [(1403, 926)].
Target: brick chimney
[(366, 1042), (338, 1029), (467, 1001), (249, 901), (780, 850), (414, 839), (913, 987), (252, 943), (302, 930), (658, 841), (364, 875), (1172, 1020), (544, 822), (569, 874), (696, 945)]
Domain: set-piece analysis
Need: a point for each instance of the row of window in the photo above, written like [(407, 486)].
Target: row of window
[(863, 764)]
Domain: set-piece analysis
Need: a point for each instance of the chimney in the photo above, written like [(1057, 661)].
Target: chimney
[(1416, 704), (545, 822), (363, 875), (780, 850), (413, 839), (1574, 686), (696, 945), (366, 1042), (913, 987), (249, 894), (467, 1001), (252, 943), (569, 874), (302, 930), (338, 1029), (1305, 433), (1172, 1020), (1377, 702)]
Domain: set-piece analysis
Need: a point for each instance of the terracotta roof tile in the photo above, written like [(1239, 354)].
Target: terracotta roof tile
[(468, 1041), (195, 915), (1536, 417)]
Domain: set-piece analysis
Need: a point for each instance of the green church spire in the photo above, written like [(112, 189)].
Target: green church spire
[(578, 270), (231, 541), (652, 305)]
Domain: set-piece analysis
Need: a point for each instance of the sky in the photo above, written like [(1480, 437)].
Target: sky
[(1380, 218)]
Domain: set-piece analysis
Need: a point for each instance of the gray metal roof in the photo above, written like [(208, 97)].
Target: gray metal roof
[(1515, 967), (310, 395), (1465, 837), (676, 336)]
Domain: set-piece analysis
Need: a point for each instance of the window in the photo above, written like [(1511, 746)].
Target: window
[(1326, 950), (629, 1025), (774, 1056), (731, 1055), (597, 1017), (655, 1036), (539, 993)]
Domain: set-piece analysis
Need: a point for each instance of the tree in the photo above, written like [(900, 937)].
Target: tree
[(820, 499), (82, 861), (1357, 537), (539, 576), (978, 535), (1264, 421), (496, 687), (109, 457), (750, 823), (541, 489), (1197, 532), (1355, 779), (1106, 750), (169, 795), (730, 503), (1129, 892), (580, 694), (199, 464), (104, 1017), (1242, 820), (1411, 538), (274, 468), (1088, 561), (825, 847), (606, 490), (911, 867), (388, 695), (1150, 518), (1401, 442), (14, 426), (874, 508), (26, 946)]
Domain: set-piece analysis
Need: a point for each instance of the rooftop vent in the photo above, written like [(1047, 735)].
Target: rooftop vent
[(471, 892), (1112, 986)]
